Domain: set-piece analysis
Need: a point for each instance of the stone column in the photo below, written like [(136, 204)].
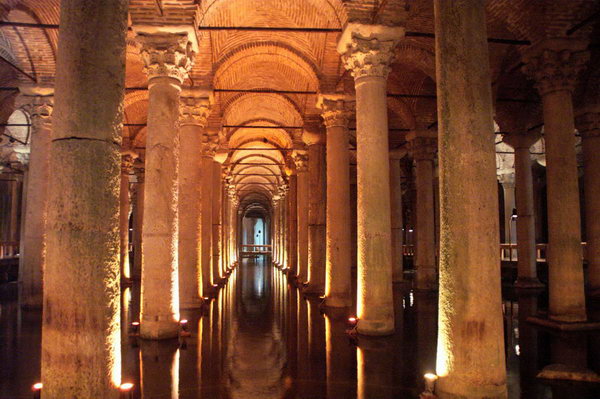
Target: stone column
[(194, 110), (470, 350), (507, 180), (423, 145), (588, 125), (138, 222), (315, 141), (15, 203), (208, 151), (168, 58), (127, 159), (527, 259), (81, 321), (39, 104), (337, 112), (301, 161), (554, 65), (292, 231), (367, 51), (216, 223), (397, 215)]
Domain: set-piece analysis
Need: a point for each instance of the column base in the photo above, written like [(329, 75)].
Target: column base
[(311, 289), (528, 283), (544, 321), (334, 301), (462, 391), (563, 372), (161, 329), (193, 304), (375, 327)]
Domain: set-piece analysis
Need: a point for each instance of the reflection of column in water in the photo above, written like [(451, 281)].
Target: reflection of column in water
[(190, 356), (159, 367), (302, 344), (316, 348), (129, 356), (426, 308), (341, 356), (205, 359), (216, 358), (374, 367), (527, 349), (291, 341)]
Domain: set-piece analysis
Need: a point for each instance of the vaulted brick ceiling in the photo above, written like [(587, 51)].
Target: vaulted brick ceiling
[(294, 61)]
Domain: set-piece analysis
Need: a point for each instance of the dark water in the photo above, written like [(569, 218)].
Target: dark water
[(260, 338)]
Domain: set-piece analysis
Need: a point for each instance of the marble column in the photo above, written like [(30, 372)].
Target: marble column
[(15, 201), (292, 230), (81, 342), (507, 180), (168, 58), (554, 65), (337, 110), (39, 104), (588, 125), (423, 145), (138, 222), (470, 350), (527, 259), (315, 140), (367, 51), (194, 110), (127, 159), (301, 161), (397, 212)]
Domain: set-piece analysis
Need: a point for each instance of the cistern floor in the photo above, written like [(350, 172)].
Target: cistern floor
[(261, 338)]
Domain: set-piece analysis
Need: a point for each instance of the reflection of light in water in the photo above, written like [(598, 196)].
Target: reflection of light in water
[(259, 279), (518, 350), (114, 346), (411, 298), (175, 376), (360, 375)]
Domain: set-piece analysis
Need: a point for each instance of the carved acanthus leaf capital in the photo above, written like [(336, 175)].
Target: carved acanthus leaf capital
[(336, 110), (194, 107), (301, 161), (368, 50), (555, 66), (127, 161), (40, 110), (210, 145), (166, 55)]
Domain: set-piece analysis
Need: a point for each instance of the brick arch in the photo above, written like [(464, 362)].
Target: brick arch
[(260, 106)]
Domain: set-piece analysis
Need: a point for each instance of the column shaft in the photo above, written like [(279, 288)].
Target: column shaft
[(81, 320), (396, 220), (526, 264), (33, 256), (566, 300), (302, 214), (293, 225), (138, 223), (216, 223), (338, 273), (124, 211), (470, 310), (206, 223), (316, 218)]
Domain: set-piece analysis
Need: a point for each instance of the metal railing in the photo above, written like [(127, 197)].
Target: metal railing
[(254, 249), (9, 249)]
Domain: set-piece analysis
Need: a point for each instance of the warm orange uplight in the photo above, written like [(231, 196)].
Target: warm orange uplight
[(135, 323), (430, 380), (352, 320), (37, 386), (126, 387), (184, 321)]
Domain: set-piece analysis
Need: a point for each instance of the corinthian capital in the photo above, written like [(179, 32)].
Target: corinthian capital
[(422, 144), (194, 106), (336, 109), (368, 50), (555, 64), (166, 54), (38, 102), (301, 160)]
